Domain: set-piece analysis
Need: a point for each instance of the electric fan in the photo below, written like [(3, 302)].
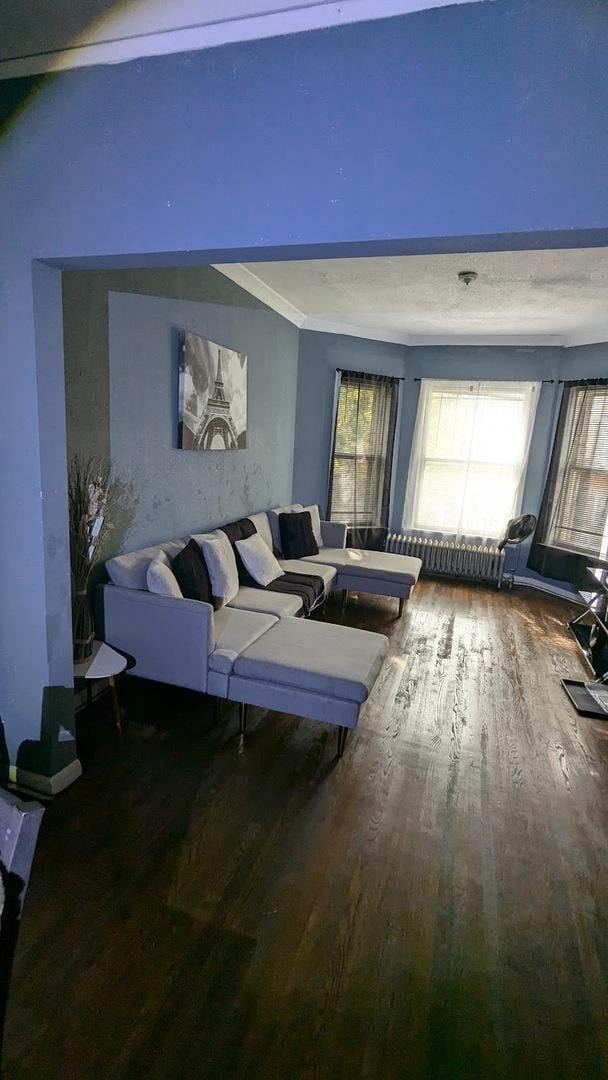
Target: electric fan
[(518, 530)]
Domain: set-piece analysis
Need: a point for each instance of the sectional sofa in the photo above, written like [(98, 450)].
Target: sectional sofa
[(256, 650)]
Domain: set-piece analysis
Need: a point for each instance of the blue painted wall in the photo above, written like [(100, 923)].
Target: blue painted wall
[(321, 354), (585, 362), (178, 491), (470, 122)]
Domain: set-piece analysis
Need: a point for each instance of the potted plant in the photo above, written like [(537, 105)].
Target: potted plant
[(92, 492)]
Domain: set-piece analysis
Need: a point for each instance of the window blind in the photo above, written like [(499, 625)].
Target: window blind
[(361, 462), (469, 456), (577, 511)]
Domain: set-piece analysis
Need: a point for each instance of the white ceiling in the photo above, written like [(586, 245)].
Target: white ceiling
[(520, 297), (49, 35)]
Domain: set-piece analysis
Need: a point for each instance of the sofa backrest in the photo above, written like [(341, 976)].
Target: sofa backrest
[(130, 570), (262, 526)]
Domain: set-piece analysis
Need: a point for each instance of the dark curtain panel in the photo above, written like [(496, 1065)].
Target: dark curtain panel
[(571, 530), (362, 456)]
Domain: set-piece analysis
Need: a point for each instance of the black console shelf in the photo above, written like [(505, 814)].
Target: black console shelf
[(595, 598), (581, 632)]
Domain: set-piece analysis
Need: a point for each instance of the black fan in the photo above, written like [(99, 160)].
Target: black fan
[(518, 530)]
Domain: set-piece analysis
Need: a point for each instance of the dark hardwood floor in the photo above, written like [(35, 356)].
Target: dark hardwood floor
[(433, 905)]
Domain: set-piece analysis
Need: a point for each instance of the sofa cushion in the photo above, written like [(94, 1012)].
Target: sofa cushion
[(262, 526), (273, 521), (273, 603), (129, 571), (301, 566), (239, 530), (297, 538), (191, 573), (315, 521), (221, 564), (234, 632), (160, 578), (401, 569), (258, 560), (336, 661)]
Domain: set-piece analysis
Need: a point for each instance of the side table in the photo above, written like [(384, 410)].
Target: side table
[(105, 663)]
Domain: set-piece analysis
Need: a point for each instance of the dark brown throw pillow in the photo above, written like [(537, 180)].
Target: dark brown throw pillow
[(191, 572), (297, 537)]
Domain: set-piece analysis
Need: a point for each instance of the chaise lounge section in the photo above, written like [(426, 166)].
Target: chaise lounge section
[(291, 665)]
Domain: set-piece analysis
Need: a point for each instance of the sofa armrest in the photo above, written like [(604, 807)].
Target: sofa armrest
[(333, 534), (169, 638)]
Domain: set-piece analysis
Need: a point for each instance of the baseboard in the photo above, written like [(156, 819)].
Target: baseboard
[(46, 785), (544, 586)]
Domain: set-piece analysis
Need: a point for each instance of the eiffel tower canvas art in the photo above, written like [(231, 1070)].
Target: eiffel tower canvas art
[(212, 396)]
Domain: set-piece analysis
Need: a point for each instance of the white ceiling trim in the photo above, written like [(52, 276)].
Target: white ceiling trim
[(330, 326), (487, 339), (130, 33), (254, 285), (358, 330)]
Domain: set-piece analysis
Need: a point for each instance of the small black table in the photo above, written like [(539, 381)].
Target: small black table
[(592, 638)]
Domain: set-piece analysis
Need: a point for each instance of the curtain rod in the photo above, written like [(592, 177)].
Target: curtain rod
[(497, 380), (370, 374)]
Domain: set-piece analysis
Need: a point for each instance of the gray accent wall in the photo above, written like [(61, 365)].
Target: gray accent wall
[(121, 355)]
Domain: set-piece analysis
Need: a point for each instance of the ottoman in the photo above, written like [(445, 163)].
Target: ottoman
[(317, 670), (379, 572)]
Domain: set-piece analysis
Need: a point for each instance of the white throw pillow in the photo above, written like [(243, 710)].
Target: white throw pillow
[(315, 521), (258, 559), (221, 564), (160, 578)]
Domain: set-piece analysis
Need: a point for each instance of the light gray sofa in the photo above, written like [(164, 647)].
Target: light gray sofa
[(254, 650), (310, 669)]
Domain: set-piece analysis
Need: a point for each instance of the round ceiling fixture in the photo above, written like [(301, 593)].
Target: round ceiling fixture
[(467, 276)]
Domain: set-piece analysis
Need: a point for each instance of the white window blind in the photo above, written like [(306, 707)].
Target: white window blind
[(469, 457), (578, 519)]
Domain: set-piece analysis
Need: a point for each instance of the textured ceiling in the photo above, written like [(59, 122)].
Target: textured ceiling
[(546, 297)]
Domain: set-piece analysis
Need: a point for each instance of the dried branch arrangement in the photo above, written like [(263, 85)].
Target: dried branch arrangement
[(92, 491)]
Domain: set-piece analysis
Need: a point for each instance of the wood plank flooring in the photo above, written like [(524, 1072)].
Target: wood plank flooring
[(434, 905)]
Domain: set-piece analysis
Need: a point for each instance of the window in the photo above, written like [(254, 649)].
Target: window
[(577, 513), (468, 461), (361, 463)]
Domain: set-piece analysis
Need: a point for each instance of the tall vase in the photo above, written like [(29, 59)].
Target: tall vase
[(83, 628)]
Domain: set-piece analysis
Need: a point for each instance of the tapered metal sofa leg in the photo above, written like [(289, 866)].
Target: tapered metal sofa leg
[(342, 733), (401, 603), (242, 718)]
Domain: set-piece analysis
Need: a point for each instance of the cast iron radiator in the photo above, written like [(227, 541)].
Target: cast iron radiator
[(451, 558)]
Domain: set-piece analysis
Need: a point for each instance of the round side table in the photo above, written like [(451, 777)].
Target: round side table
[(105, 663)]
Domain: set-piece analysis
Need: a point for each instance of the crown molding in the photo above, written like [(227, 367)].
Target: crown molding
[(374, 333), (597, 336), (251, 283), (358, 330), (532, 340), (130, 34)]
